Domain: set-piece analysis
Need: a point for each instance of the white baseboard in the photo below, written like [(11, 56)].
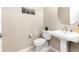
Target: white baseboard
[(26, 49)]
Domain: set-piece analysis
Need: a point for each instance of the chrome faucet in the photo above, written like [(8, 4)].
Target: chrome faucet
[(65, 28)]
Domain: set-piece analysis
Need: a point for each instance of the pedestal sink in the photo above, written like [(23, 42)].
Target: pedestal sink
[(64, 37)]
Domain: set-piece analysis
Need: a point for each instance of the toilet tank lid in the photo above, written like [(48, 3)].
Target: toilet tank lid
[(39, 40)]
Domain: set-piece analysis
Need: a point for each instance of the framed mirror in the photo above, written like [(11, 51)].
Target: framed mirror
[(64, 15), (74, 15), (68, 15)]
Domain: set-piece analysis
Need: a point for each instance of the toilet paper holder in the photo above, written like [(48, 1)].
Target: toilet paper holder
[(31, 35)]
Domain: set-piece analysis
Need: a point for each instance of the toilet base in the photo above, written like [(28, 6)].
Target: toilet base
[(39, 48)]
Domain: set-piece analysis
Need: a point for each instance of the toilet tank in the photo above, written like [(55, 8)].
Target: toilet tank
[(46, 35)]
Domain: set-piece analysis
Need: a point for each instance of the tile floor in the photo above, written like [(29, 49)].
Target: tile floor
[(46, 49)]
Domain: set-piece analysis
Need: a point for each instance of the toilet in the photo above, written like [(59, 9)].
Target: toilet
[(41, 43)]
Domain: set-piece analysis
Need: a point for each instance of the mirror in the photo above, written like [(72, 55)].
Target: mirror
[(74, 15), (68, 15), (64, 15)]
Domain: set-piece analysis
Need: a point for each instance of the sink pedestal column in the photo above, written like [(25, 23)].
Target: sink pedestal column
[(63, 45)]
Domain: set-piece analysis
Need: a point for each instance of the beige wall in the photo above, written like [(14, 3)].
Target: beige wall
[(51, 18), (17, 27)]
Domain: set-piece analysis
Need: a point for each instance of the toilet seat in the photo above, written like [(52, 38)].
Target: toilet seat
[(39, 42)]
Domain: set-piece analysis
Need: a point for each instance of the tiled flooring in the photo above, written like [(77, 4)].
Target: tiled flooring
[(46, 49)]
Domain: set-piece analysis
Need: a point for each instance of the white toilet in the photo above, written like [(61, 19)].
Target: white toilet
[(41, 43)]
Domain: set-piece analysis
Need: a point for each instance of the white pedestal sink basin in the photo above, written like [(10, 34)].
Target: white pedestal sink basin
[(65, 36)]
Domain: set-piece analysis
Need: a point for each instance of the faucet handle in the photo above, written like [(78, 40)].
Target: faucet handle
[(66, 28)]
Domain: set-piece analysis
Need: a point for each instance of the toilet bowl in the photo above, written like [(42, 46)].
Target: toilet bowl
[(41, 43)]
